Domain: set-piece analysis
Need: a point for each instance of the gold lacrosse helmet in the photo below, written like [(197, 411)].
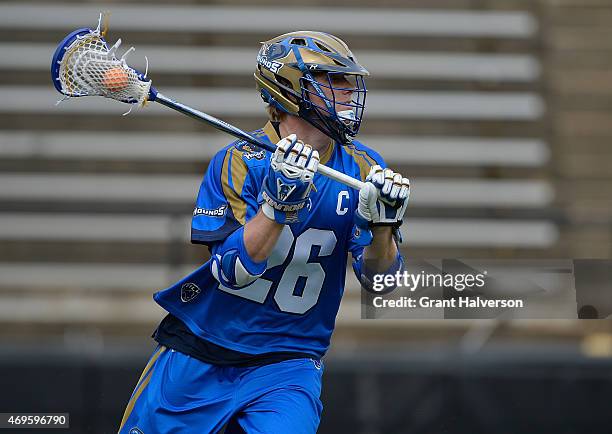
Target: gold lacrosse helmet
[(293, 67)]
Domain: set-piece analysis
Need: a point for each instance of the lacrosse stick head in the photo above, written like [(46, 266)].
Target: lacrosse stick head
[(84, 65)]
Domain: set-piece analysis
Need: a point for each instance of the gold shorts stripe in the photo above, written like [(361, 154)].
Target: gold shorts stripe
[(130, 406), (146, 374), (154, 357)]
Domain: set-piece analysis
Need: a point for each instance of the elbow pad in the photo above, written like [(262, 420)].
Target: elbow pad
[(232, 266), (366, 276)]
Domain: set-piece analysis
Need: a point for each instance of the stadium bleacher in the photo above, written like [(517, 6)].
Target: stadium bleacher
[(456, 103)]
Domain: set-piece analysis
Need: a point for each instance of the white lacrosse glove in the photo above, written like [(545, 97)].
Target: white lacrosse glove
[(382, 202), (284, 196)]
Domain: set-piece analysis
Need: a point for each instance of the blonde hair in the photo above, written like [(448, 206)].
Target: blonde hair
[(275, 114)]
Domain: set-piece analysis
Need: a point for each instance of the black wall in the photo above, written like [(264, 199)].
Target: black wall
[(504, 392)]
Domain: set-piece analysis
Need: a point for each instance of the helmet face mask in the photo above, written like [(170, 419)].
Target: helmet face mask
[(334, 103), (315, 76)]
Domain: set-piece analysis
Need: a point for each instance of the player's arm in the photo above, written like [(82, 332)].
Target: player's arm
[(382, 203), (260, 236), (284, 195), (240, 259), (383, 251)]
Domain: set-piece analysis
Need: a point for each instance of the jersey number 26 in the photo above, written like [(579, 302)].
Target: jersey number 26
[(298, 267)]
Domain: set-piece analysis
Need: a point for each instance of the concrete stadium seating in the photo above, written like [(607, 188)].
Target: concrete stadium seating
[(239, 61), (225, 19), (147, 146), (455, 102)]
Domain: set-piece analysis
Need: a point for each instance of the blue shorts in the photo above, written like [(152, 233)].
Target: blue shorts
[(179, 394)]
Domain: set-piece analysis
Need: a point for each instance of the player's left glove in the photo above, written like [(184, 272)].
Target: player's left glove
[(382, 202)]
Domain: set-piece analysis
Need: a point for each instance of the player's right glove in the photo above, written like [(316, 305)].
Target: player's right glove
[(284, 196)]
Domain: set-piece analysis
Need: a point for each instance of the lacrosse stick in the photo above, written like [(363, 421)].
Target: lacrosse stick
[(84, 65)]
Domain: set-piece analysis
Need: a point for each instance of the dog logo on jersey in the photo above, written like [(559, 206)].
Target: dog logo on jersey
[(250, 152), (136, 430), (189, 291), (217, 212), (259, 155)]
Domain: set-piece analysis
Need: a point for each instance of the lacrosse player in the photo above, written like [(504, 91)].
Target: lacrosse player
[(242, 344)]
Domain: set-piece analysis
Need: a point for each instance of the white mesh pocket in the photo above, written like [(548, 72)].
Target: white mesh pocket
[(90, 68)]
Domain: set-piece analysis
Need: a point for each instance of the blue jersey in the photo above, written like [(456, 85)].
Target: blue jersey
[(292, 307)]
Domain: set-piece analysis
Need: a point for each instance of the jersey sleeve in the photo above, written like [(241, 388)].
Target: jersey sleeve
[(227, 198), (364, 158)]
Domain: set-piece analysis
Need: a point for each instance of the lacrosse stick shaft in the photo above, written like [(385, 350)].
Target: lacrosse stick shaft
[(238, 133)]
